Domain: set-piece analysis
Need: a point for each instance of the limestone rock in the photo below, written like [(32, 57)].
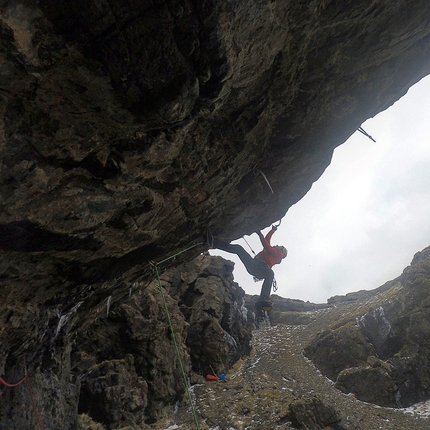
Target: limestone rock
[(281, 304), (127, 363), (361, 380), (340, 348), (284, 310), (391, 337), (126, 360), (112, 392), (359, 296), (313, 413), (213, 304)]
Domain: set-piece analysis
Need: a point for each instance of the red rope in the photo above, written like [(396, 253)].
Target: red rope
[(34, 402), (12, 385), (39, 423)]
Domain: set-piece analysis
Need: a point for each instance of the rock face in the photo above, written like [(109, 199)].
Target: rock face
[(214, 307), (128, 127), (313, 413), (277, 388), (126, 364), (121, 141), (285, 311), (382, 354), (123, 365)]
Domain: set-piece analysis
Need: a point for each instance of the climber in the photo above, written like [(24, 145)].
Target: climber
[(261, 265)]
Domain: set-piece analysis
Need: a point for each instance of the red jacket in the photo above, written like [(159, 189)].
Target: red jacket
[(269, 255)]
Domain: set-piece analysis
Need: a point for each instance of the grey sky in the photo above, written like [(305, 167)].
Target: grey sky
[(364, 219)]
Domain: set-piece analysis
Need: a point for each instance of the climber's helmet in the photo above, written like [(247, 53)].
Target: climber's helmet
[(282, 249)]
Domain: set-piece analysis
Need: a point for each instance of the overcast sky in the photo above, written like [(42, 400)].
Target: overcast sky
[(364, 219)]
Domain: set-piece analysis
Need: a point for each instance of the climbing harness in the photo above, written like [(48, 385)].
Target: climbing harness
[(361, 130), (26, 378), (274, 284), (155, 265)]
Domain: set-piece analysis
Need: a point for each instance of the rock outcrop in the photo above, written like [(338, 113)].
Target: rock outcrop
[(128, 127), (311, 412), (382, 354), (122, 367), (213, 304), (286, 311), (277, 388)]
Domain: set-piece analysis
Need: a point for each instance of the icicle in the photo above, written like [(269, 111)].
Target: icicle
[(268, 183), (65, 318), (108, 305), (133, 285)]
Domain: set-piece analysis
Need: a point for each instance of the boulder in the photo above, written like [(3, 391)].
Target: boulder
[(359, 380), (338, 348), (312, 413)]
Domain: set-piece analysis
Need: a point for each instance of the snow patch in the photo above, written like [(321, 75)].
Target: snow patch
[(421, 409)]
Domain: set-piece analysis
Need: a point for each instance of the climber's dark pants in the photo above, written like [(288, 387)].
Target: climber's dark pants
[(254, 266)]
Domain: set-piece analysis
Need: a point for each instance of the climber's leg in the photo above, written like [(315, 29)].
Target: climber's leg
[(246, 259), (267, 284)]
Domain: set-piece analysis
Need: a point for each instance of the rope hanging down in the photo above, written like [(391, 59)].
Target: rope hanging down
[(25, 378), (184, 376)]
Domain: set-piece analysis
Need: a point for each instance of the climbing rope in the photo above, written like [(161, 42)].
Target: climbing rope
[(26, 378), (172, 257), (184, 376)]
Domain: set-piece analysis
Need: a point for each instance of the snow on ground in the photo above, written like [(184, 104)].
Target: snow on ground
[(421, 409)]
